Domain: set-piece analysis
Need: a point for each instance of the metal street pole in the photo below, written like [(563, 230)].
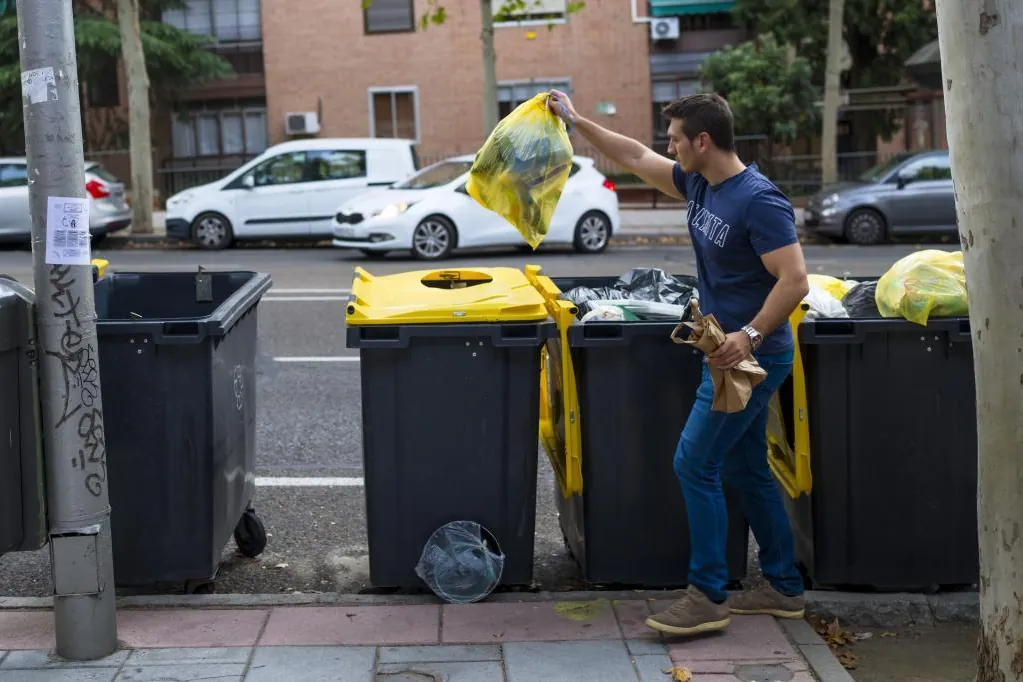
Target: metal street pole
[(81, 555)]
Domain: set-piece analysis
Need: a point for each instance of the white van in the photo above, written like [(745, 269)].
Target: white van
[(290, 191)]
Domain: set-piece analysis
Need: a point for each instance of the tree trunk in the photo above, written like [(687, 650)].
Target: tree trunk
[(983, 87), (832, 73), (138, 117), (490, 116)]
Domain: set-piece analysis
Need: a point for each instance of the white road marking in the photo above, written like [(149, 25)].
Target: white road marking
[(276, 290), (310, 482), (313, 358), (272, 299)]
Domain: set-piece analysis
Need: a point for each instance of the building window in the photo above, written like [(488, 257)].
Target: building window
[(665, 92), (715, 21), (534, 11), (225, 132), (103, 89), (512, 94), (389, 16), (394, 112), (229, 21)]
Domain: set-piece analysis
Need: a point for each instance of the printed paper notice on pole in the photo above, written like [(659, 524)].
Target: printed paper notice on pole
[(67, 231), (37, 84)]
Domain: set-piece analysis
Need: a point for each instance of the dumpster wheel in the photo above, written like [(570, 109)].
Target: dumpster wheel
[(250, 534), (202, 586)]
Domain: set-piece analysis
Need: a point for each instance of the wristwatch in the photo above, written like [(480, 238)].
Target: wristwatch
[(755, 337)]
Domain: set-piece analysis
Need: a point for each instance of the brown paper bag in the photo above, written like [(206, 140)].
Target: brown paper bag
[(732, 387)]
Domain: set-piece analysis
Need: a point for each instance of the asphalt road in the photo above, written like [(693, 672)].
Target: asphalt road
[(309, 417)]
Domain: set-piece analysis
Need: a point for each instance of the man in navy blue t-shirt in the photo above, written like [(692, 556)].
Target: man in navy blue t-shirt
[(751, 277)]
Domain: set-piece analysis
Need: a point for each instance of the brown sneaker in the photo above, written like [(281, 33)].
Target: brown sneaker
[(767, 601), (691, 614)]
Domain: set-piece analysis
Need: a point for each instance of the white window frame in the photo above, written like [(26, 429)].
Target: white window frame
[(393, 90), (563, 82), (528, 22)]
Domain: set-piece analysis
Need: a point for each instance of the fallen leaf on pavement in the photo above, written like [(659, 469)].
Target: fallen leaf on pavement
[(679, 673), (860, 636), (284, 565), (888, 634), (847, 659)]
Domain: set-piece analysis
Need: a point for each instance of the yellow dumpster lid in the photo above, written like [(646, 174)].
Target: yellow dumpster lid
[(444, 296)]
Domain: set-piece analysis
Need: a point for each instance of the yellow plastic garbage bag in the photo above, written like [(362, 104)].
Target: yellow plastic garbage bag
[(929, 283), (834, 286), (521, 170)]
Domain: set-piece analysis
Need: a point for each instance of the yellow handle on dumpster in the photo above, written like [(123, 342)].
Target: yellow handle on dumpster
[(556, 369), (790, 460)]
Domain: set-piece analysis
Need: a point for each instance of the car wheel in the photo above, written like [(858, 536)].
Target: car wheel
[(865, 227), (592, 232), (212, 232), (433, 239)]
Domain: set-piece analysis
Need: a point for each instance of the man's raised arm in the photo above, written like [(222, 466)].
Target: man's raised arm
[(634, 156)]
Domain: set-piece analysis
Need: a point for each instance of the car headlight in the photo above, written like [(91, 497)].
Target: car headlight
[(829, 200), (393, 211), (180, 199)]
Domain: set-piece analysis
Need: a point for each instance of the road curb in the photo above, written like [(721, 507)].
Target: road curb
[(895, 610), (864, 610), (815, 651)]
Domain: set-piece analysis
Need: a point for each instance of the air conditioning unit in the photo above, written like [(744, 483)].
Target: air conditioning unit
[(302, 123), (664, 28)]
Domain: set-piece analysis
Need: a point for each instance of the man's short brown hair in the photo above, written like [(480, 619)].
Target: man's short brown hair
[(704, 112)]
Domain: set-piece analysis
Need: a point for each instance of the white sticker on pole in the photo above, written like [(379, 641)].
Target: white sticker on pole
[(67, 231), (37, 85)]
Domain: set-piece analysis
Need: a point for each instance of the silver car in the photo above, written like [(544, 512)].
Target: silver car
[(108, 210), (910, 194)]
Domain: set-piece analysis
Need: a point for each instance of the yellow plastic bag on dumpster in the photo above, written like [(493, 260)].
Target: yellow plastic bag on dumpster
[(834, 286), (521, 170), (929, 283)]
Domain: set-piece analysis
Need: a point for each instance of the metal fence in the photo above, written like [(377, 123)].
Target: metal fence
[(796, 175), (181, 174)]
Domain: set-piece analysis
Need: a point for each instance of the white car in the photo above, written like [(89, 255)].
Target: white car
[(290, 191), (108, 210), (431, 214)]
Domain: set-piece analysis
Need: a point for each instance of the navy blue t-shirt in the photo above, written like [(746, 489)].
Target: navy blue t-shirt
[(732, 225)]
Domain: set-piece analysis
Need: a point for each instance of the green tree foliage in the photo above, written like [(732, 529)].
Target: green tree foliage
[(176, 60), (769, 91), (881, 35)]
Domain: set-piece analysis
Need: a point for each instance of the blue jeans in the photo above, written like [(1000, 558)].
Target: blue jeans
[(733, 446)]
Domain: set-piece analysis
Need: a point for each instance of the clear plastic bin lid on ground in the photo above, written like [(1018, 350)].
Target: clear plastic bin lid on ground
[(462, 562)]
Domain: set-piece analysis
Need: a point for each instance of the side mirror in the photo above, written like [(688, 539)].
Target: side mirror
[(905, 177), (249, 181)]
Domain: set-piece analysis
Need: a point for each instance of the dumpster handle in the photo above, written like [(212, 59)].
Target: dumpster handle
[(380, 337), (611, 333)]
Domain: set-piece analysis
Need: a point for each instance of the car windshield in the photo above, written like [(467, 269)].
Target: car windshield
[(882, 169), (436, 175)]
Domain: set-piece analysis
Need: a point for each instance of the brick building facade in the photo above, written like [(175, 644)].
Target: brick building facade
[(377, 73)]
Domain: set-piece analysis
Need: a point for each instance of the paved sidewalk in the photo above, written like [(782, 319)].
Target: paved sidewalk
[(589, 641)]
